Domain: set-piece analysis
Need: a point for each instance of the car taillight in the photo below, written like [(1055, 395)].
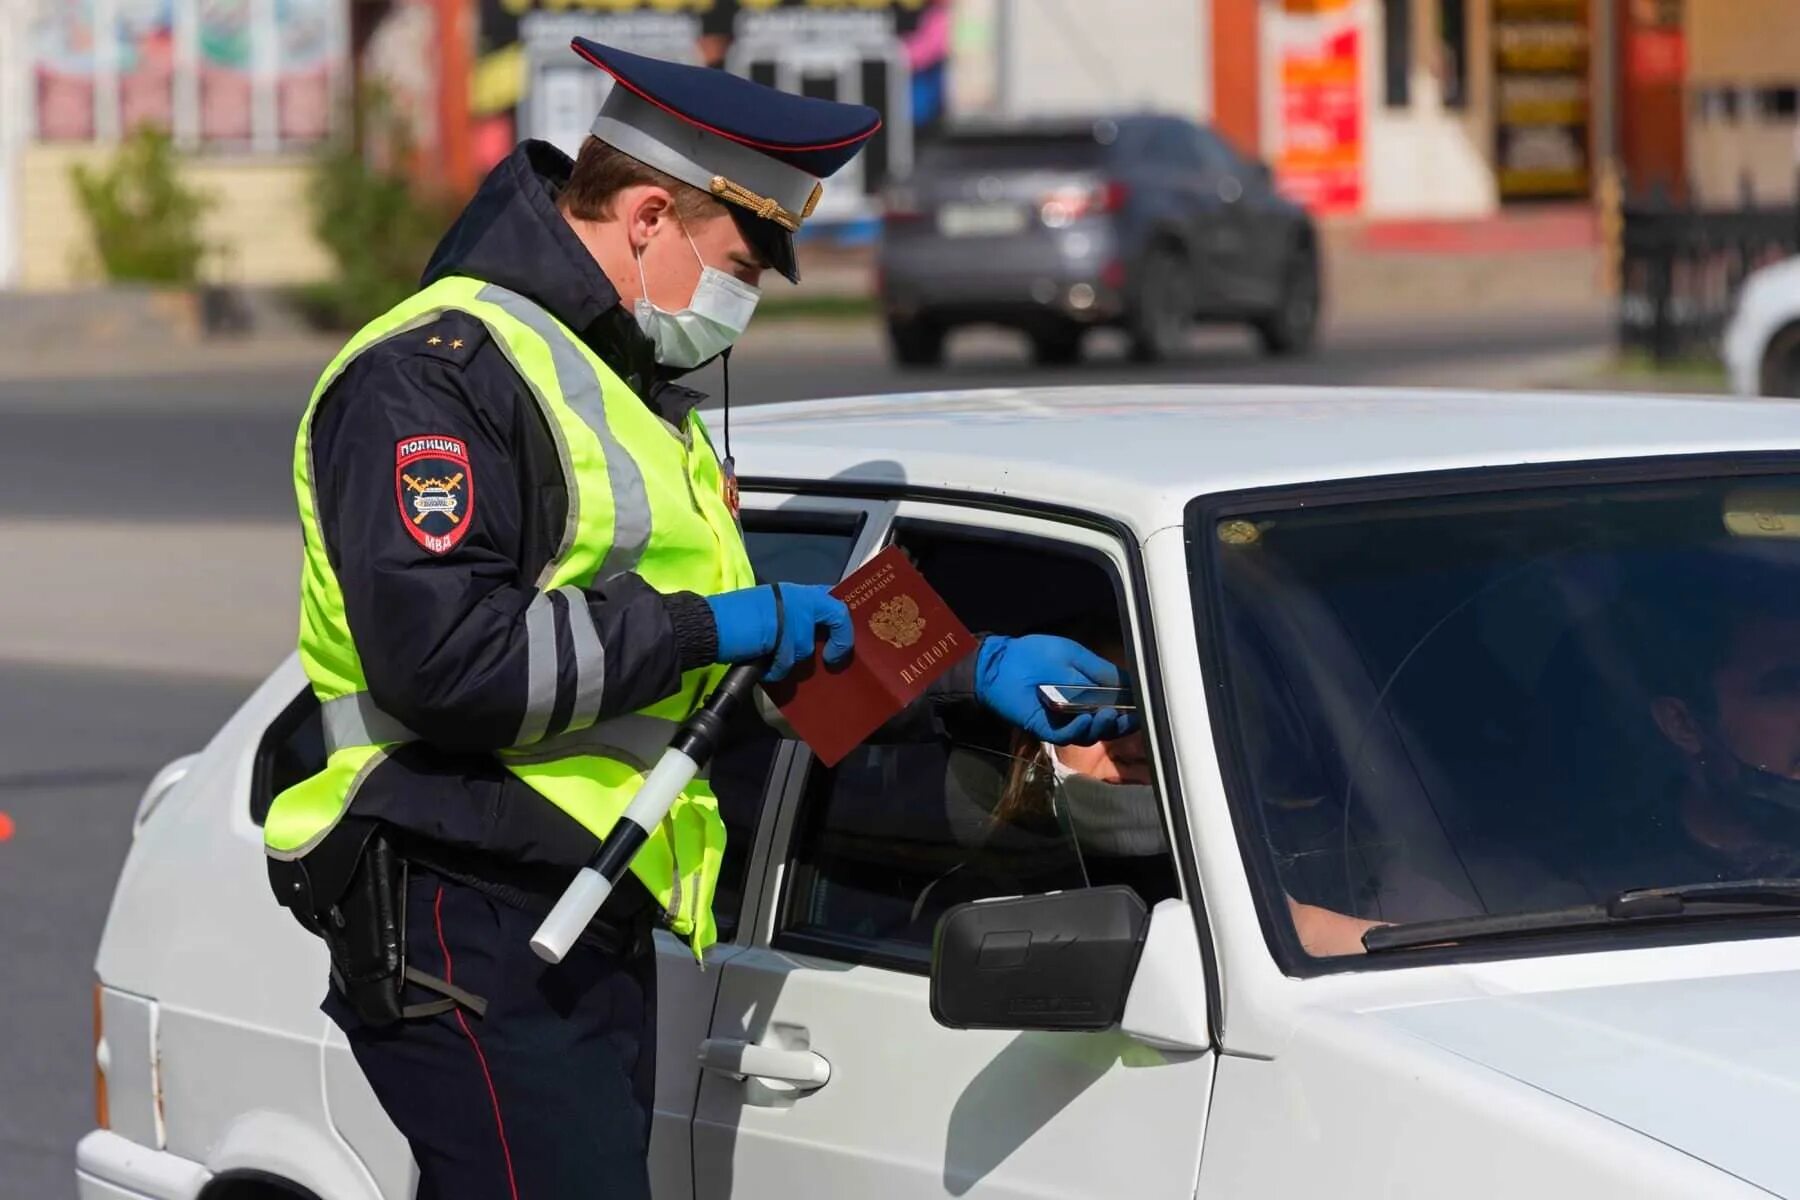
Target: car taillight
[(1065, 206), (900, 206), (102, 1116)]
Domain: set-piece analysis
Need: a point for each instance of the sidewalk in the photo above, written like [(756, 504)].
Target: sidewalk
[(107, 333), (1531, 260)]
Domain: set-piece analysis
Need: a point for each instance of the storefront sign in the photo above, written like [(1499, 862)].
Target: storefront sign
[(889, 54), (1541, 81), (1657, 56), (1320, 163)]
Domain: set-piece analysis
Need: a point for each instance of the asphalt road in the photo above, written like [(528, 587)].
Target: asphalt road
[(125, 641)]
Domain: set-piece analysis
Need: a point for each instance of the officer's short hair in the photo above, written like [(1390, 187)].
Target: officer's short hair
[(602, 172)]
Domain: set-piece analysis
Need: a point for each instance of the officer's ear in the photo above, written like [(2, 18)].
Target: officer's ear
[(645, 208)]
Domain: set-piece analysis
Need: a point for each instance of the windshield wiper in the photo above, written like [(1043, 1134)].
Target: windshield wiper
[(1738, 897)]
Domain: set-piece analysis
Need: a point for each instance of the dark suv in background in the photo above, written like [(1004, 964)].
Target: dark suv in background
[(1150, 223)]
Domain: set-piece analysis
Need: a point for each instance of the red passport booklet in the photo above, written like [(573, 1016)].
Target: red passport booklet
[(906, 637)]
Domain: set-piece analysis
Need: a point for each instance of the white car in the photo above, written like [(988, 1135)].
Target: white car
[(1470, 665), (1762, 340)]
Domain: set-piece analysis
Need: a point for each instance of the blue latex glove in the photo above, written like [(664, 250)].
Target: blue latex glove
[(1009, 670), (755, 622)]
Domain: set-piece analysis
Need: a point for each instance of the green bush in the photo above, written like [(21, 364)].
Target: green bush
[(378, 226), (144, 220)]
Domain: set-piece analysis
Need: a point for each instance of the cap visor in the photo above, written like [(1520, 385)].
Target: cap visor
[(771, 242)]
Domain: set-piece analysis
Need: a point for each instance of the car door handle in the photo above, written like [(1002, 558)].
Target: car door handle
[(804, 1069)]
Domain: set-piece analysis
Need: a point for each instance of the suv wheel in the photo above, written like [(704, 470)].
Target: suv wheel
[(1291, 327), (1056, 345), (916, 343), (1162, 307), (1781, 363)]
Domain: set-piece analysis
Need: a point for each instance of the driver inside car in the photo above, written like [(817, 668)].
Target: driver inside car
[(1103, 800), (1726, 671)]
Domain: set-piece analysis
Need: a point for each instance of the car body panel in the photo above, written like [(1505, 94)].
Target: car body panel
[(1353, 1108), (128, 1055), (1767, 302), (110, 1166), (919, 1110), (1692, 1063)]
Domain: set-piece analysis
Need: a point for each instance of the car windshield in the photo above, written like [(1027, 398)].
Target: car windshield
[(1515, 701)]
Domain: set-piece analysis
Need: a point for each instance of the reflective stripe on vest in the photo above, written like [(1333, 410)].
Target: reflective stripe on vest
[(642, 496), (637, 738)]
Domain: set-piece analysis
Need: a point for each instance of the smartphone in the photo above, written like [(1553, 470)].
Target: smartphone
[(1069, 699)]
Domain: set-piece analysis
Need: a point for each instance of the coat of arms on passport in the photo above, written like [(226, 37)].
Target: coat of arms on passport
[(897, 622), (906, 637)]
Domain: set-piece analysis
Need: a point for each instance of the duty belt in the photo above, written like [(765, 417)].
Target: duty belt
[(623, 930)]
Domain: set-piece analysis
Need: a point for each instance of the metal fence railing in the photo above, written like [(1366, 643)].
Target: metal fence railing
[(1680, 269)]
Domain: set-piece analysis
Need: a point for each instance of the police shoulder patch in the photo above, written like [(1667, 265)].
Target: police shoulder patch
[(434, 485)]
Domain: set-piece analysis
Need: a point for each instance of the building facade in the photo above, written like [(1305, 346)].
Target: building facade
[(1742, 78), (1366, 109), (247, 88), (15, 109), (890, 54), (1423, 108)]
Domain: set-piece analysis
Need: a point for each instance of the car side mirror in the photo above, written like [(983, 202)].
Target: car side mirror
[(1063, 961)]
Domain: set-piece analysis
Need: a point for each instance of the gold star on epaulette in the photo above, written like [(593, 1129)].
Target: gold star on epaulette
[(434, 340), (456, 343)]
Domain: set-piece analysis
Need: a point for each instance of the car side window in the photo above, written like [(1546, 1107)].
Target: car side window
[(1171, 146), (1217, 157), (967, 808), (792, 547)]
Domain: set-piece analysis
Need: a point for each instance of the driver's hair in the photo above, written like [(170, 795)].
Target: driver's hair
[(1030, 779), (1689, 616)]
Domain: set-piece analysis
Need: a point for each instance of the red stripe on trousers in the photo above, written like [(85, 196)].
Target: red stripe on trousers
[(437, 911)]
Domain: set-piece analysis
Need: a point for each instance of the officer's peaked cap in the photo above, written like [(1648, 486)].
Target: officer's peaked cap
[(761, 151)]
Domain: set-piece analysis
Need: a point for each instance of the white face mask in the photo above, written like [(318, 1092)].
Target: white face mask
[(716, 316)]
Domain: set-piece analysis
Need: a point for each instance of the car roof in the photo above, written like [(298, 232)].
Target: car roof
[(1063, 125), (1140, 453)]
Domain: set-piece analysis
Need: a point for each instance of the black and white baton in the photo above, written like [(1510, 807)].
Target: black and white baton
[(694, 743)]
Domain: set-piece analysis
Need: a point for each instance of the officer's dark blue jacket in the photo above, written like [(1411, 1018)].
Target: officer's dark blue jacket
[(441, 636)]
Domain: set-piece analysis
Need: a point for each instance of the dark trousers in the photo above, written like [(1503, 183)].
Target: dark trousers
[(547, 1097)]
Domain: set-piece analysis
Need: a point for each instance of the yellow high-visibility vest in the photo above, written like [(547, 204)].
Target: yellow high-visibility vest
[(643, 497)]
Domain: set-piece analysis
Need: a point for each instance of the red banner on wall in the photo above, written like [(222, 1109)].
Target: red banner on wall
[(1321, 159), (1657, 56)]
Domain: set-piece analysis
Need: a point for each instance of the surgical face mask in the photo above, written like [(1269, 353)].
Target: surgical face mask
[(1754, 788), (1121, 820), (1767, 801), (715, 318)]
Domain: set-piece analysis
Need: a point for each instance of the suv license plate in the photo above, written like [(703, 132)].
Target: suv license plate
[(980, 220)]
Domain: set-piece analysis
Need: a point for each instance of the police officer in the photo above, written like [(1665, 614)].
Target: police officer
[(522, 570)]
